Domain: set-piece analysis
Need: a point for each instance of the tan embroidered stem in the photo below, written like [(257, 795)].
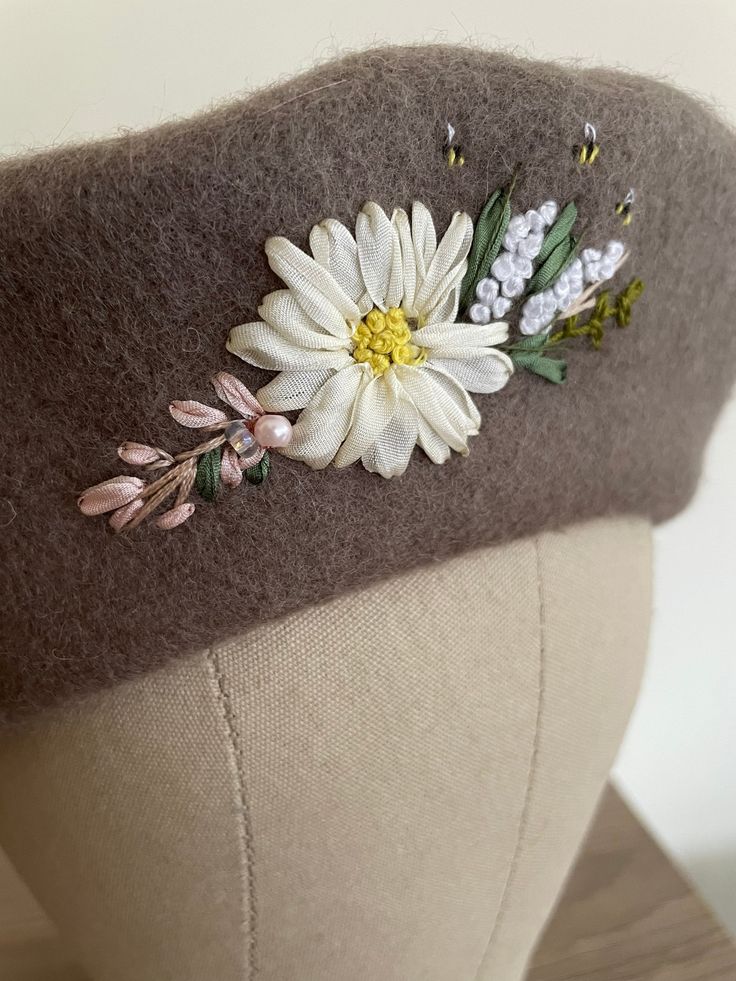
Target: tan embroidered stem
[(185, 488), (157, 493), (179, 479), (211, 444)]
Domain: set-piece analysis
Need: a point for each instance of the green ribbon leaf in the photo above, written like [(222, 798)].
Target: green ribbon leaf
[(207, 479), (481, 238), (487, 239), (257, 474), (552, 369), (560, 257), (530, 342), (558, 233)]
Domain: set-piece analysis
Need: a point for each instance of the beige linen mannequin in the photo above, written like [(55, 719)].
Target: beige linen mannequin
[(388, 787)]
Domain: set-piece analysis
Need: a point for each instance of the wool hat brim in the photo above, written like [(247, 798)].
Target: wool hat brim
[(124, 263)]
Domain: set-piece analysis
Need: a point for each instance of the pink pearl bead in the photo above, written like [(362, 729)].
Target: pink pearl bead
[(273, 431)]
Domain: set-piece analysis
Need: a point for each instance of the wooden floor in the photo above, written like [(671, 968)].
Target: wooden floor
[(626, 915)]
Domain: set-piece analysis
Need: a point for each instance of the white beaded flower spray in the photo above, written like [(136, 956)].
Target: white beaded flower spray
[(532, 260)]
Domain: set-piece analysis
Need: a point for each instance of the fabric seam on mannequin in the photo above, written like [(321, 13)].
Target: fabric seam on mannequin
[(250, 909), (533, 758)]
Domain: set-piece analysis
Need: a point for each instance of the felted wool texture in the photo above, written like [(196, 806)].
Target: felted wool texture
[(124, 263)]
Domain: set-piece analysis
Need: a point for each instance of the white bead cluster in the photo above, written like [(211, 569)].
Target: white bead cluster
[(599, 266), (513, 267), (540, 310), (593, 266)]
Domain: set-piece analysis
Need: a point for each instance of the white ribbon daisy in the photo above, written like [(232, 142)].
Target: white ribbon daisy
[(367, 343)]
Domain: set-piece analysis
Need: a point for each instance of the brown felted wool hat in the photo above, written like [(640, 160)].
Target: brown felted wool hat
[(447, 298)]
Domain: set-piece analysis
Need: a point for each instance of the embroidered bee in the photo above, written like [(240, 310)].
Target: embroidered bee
[(588, 152), (453, 151), (624, 207)]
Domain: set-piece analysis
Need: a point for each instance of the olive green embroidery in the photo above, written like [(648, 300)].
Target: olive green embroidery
[(530, 353), (603, 311)]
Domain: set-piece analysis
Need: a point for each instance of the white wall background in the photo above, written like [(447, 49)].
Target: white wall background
[(72, 69)]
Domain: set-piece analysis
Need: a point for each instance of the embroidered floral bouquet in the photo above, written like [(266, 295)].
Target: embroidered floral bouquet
[(378, 339)]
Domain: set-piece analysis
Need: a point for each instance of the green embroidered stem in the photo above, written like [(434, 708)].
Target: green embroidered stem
[(208, 474), (258, 473), (489, 232), (594, 328), (625, 300), (529, 353)]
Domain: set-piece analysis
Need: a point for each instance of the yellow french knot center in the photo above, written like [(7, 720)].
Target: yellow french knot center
[(382, 339)]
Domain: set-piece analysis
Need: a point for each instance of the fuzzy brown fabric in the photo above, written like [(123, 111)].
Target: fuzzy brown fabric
[(124, 263)]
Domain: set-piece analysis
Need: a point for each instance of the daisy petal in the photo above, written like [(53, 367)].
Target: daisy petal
[(446, 311), (336, 250), (484, 374), (445, 405), (379, 253), (373, 411), (390, 453), (400, 221), (325, 422), (448, 265), (433, 445), (317, 291), (282, 311), (292, 389), (424, 238), (260, 345), (453, 340)]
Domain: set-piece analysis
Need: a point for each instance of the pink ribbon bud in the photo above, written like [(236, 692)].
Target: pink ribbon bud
[(195, 415), (230, 471), (176, 516), (120, 518), (109, 495), (138, 454), (232, 391)]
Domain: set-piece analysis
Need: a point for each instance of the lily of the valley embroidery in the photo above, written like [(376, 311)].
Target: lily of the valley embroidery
[(372, 349)]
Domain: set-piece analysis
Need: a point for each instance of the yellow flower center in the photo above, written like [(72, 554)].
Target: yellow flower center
[(382, 339)]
